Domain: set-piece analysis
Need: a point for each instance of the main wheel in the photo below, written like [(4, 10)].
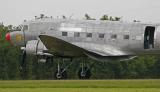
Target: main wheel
[(61, 75), (85, 73)]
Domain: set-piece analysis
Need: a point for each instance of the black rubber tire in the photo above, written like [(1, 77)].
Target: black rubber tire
[(87, 73), (62, 76)]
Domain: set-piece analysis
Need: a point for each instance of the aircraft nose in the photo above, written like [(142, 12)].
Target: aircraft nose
[(16, 38), (8, 37)]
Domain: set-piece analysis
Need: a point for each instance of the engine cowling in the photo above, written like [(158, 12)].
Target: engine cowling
[(36, 47)]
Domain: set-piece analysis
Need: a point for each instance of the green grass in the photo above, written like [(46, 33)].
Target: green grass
[(80, 90), (80, 86)]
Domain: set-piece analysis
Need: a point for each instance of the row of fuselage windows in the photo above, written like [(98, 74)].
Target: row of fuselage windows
[(100, 35)]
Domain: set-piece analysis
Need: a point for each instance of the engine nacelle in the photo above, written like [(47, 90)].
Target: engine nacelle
[(36, 47)]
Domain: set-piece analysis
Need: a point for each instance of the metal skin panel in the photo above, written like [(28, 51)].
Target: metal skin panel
[(157, 38), (100, 46)]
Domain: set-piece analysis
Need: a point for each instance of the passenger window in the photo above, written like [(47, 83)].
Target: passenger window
[(101, 35), (25, 27), (64, 33), (126, 37), (113, 36), (89, 35), (76, 34)]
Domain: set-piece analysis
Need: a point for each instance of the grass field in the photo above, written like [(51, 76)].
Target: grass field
[(80, 86)]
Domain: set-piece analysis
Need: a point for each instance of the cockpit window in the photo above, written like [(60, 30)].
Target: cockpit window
[(25, 27)]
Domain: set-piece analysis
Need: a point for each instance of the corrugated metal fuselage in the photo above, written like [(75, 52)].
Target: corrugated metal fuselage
[(121, 38)]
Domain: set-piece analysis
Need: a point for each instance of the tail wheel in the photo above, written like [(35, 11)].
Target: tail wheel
[(84, 73)]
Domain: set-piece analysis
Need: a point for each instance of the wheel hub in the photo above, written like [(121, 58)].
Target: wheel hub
[(59, 76), (83, 74)]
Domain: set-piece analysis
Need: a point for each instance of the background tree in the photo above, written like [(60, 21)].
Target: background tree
[(104, 17), (110, 18), (87, 17), (117, 18)]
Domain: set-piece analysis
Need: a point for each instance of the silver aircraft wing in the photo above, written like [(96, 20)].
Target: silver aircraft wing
[(63, 48), (60, 47)]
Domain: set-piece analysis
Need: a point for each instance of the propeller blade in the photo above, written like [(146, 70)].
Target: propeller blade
[(23, 59)]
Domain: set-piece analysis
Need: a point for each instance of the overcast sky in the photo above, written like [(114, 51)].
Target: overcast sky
[(15, 11)]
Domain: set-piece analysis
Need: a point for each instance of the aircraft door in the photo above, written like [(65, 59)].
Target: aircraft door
[(149, 37)]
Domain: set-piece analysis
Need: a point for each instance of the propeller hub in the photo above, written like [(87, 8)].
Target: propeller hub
[(8, 37)]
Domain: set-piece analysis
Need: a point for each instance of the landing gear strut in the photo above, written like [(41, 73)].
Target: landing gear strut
[(84, 72), (23, 64), (61, 73)]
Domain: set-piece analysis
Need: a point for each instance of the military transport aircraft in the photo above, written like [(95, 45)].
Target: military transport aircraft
[(100, 40)]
